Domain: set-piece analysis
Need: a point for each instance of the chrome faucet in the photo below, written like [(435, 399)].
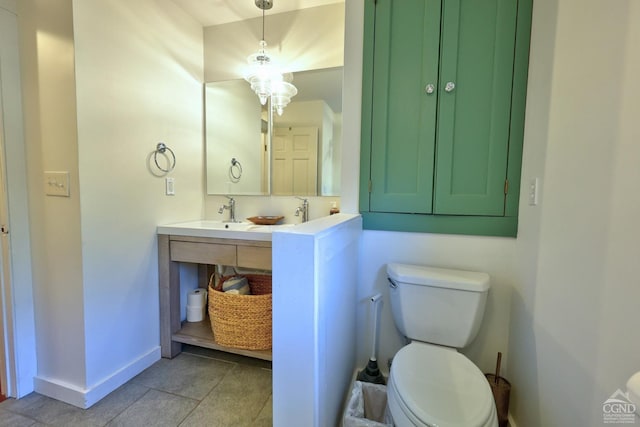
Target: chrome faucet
[(304, 208), (232, 209)]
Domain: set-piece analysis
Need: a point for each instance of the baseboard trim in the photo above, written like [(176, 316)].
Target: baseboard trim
[(86, 397)]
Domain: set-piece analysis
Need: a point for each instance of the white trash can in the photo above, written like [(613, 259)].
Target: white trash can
[(367, 406)]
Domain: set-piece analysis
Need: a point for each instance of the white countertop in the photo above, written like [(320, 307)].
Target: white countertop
[(249, 231), (221, 229)]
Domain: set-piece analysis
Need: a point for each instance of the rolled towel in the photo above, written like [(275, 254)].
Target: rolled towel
[(238, 283)]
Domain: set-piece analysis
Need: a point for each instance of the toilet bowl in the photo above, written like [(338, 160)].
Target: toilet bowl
[(436, 386), (633, 391), (430, 383)]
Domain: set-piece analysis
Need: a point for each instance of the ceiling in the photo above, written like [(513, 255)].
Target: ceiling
[(215, 12)]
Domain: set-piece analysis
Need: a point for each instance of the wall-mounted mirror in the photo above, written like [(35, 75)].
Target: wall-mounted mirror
[(237, 140), (298, 153)]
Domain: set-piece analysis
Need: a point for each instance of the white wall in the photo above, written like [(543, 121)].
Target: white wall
[(9, 5), (48, 89), (135, 69), (351, 106), (332, 182), (233, 123), (143, 61), (314, 325), (306, 39), (572, 341), (248, 206)]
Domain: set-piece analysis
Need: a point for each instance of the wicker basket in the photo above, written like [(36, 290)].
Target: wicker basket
[(242, 321)]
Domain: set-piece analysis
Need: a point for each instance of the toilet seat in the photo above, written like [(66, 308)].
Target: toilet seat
[(436, 386)]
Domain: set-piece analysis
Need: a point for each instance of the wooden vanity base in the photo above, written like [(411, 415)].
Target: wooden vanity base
[(207, 252)]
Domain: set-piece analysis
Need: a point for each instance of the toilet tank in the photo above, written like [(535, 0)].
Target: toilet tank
[(437, 305)]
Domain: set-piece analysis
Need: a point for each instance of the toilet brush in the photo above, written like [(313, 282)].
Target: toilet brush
[(371, 373), (500, 388)]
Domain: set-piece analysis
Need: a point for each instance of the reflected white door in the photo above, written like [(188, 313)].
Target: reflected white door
[(295, 161)]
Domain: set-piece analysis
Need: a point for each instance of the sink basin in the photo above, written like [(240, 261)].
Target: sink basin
[(223, 225), (221, 229)]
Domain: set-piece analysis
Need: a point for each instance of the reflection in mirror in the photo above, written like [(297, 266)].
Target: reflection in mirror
[(307, 137), (236, 140), (305, 145)]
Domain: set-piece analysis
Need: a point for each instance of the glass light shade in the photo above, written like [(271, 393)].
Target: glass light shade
[(262, 74), (281, 94)]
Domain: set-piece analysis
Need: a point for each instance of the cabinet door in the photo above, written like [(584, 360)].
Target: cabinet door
[(406, 46), (477, 56)]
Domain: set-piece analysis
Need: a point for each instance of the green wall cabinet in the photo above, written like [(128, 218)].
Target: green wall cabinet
[(444, 86)]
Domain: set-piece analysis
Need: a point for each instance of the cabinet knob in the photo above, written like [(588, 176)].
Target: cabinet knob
[(449, 87), (430, 88)]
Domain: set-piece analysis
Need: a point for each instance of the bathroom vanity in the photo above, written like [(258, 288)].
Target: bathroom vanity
[(205, 243), (315, 292)]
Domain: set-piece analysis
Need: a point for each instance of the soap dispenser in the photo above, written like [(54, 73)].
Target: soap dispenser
[(334, 208)]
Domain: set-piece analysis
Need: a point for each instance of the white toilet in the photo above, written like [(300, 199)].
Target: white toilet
[(430, 383), (633, 391)]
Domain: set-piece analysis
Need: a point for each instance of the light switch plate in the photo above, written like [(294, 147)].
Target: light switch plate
[(56, 183), (533, 191), (170, 186)]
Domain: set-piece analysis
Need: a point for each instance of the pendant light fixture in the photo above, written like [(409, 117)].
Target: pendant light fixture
[(266, 80)]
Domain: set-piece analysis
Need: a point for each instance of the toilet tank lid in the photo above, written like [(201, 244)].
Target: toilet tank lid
[(439, 277)]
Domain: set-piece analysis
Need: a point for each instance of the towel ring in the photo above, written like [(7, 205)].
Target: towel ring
[(162, 149), (235, 170)]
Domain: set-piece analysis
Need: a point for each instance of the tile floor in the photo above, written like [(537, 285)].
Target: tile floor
[(198, 388)]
